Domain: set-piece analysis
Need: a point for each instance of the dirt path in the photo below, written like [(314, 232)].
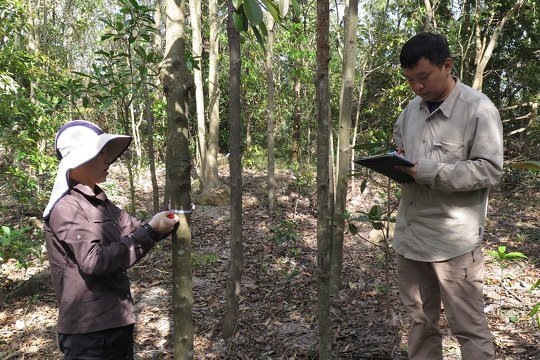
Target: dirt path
[(278, 299)]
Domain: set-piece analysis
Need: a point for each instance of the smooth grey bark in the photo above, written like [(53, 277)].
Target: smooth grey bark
[(212, 175), (232, 294), (270, 136), (150, 143), (344, 140), (196, 48), (324, 215), (177, 84), (485, 43)]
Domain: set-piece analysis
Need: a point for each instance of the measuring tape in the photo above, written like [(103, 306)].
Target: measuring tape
[(174, 211)]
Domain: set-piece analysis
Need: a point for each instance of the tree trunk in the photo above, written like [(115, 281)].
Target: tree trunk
[(429, 20), (151, 152), (195, 15), (297, 110), (34, 34), (344, 141), (150, 116), (485, 47), (361, 84), (212, 175), (271, 178), (324, 216), (297, 120), (235, 164), (123, 118), (466, 37), (177, 83), (157, 27)]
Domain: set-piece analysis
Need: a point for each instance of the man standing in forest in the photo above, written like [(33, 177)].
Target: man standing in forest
[(453, 134)]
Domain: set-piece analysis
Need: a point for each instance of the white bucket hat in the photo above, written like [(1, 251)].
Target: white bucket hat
[(76, 143)]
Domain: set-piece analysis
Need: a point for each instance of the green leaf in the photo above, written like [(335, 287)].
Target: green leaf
[(534, 309), (375, 212), (6, 230), (135, 4), (353, 229), (103, 52), (259, 37), (515, 255), (296, 7), (106, 36), (528, 165), (240, 21), (272, 9), (253, 12), (85, 101), (361, 218), (237, 3), (377, 225), (263, 31), (283, 7), (363, 186)]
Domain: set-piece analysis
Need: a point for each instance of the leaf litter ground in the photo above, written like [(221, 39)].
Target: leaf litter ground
[(278, 293)]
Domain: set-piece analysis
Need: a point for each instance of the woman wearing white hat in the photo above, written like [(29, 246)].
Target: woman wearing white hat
[(91, 243)]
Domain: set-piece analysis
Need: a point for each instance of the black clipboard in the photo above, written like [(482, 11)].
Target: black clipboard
[(385, 164)]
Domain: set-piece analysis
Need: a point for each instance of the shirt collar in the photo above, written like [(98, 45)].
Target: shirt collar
[(99, 193), (448, 103)]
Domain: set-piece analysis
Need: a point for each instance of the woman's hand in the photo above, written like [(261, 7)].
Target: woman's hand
[(163, 222)]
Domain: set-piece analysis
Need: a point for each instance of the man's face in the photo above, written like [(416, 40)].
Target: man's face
[(430, 82)]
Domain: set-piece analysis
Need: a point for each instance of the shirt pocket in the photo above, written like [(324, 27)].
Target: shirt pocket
[(447, 151), (102, 225)]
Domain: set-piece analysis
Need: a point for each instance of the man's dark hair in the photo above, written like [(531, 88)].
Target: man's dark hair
[(433, 47)]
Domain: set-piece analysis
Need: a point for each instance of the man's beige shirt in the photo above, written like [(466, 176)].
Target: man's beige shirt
[(459, 151)]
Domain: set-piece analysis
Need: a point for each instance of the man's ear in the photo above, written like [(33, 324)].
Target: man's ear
[(447, 64)]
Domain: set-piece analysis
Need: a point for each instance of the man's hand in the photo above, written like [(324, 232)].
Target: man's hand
[(411, 170)]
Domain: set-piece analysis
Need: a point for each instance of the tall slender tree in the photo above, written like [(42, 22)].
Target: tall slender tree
[(324, 200), (270, 136), (177, 83), (150, 120), (297, 94), (212, 175), (235, 164), (344, 139), (195, 13), (486, 39)]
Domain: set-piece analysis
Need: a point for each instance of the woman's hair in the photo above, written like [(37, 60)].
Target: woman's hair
[(433, 47)]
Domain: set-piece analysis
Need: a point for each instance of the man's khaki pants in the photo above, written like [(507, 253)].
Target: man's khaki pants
[(458, 282)]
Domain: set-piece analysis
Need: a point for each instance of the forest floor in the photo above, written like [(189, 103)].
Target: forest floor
[(278, 317)]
